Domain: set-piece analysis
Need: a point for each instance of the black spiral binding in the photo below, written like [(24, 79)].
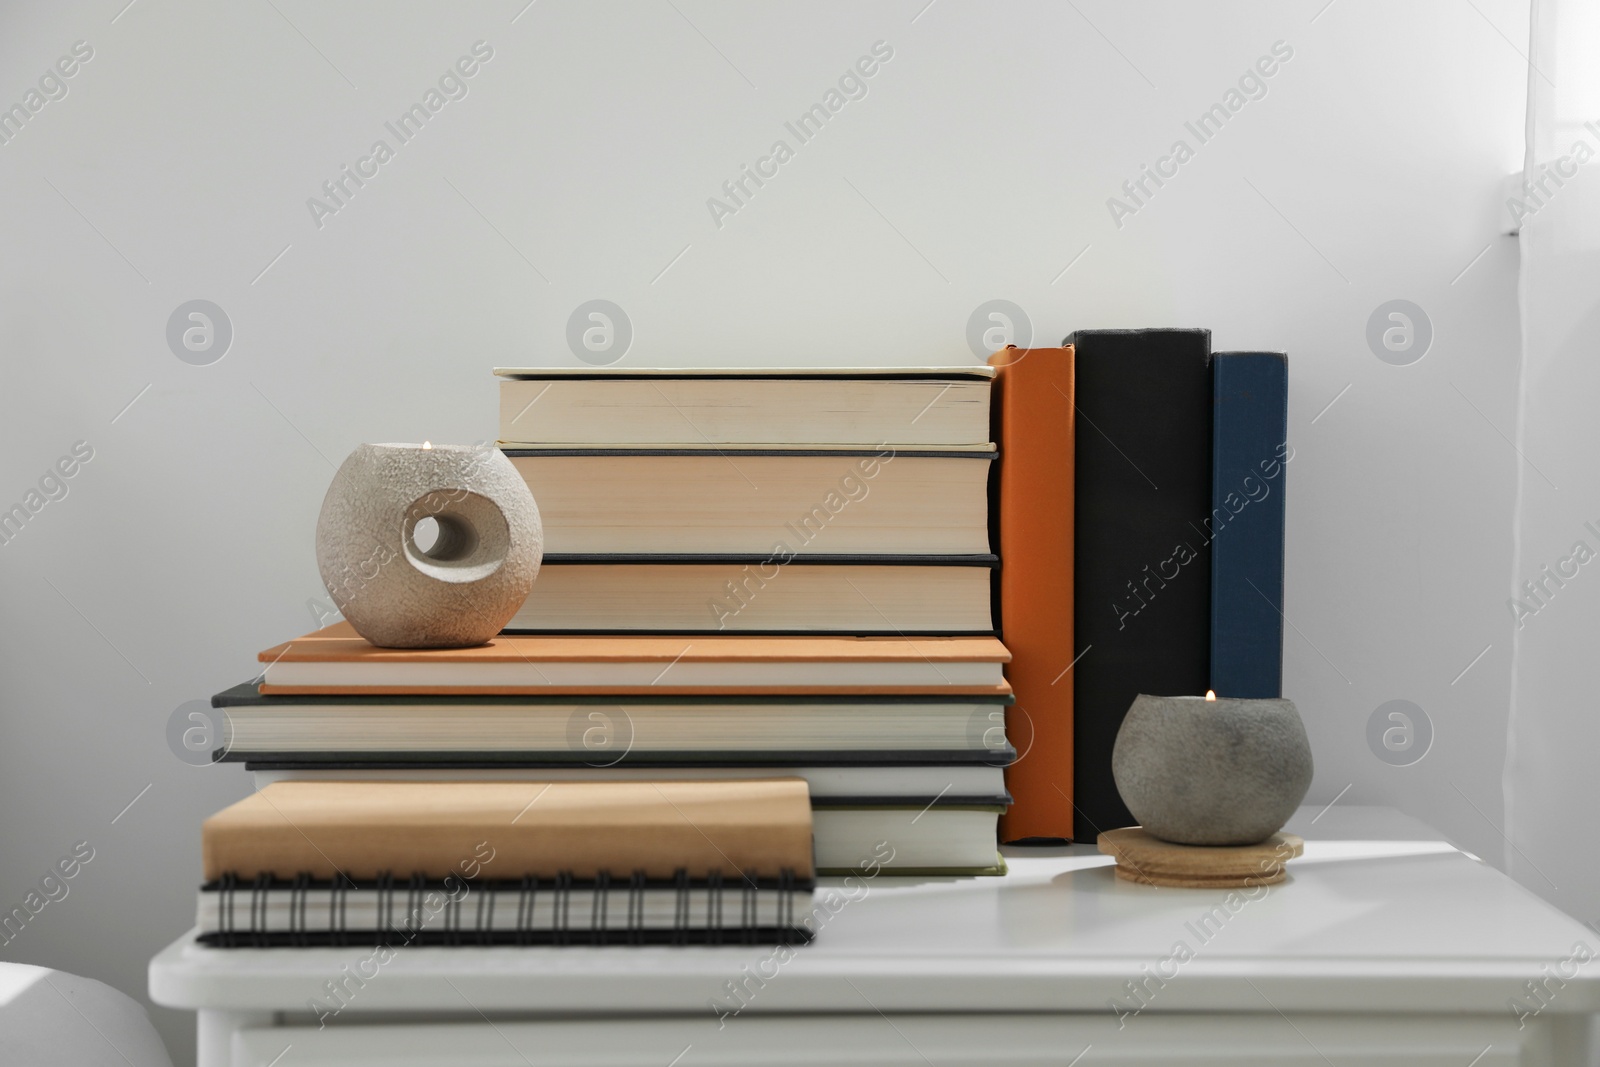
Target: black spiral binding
[(395, 927), (636, 888), (714, 908), (416, 890), (338, 911), (258, 909), (452, 912), (749, 902), (561, 921), (786, 902), (525, 901), (680, 906), (385, 888), (299, 890), (227, 886), (599, 928), (483, 925)]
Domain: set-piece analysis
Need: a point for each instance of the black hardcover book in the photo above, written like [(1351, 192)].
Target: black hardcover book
[(1142, 576)]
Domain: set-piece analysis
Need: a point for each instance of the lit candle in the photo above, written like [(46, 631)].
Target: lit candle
[(1212, 770)]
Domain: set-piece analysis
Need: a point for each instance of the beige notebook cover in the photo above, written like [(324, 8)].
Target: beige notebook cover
[(506, 830)]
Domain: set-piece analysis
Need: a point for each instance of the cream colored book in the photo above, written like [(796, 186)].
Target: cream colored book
[(908, 595), (737, 408), (773, 504)]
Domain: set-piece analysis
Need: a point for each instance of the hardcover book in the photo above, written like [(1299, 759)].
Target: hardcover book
[(734, 408), (1142, 573), (760, 594), (934, 819), (853, 780), (336, 659), (649, 729), (776, 504), (1035, 421), (1251, 453)]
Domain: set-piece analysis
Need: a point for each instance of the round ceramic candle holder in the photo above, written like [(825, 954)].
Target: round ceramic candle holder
[(463, 587), (1199, 771)]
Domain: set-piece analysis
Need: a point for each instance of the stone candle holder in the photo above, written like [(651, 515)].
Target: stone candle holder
[(1212, 770), (468, 583)]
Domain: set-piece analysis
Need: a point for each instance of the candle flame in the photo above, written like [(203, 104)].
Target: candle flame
[(1211, 694), (427, 444)]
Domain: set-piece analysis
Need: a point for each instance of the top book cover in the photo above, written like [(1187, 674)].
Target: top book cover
[(907, 408), (336, 659)]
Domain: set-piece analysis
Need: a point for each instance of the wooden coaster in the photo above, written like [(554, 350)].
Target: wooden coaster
[(1151, 861)]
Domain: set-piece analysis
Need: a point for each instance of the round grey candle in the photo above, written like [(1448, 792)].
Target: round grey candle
[(1212, 770)]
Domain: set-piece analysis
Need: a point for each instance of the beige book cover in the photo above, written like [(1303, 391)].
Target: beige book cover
[(506, 830), (336, 659)]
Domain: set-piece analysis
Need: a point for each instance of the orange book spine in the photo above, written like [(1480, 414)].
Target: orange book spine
[(1035, 422)]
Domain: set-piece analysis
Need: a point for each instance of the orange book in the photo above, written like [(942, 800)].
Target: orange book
[(338, 660), (1035, 420)]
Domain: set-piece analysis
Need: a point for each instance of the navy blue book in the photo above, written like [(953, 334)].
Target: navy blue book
[(1249, 455)]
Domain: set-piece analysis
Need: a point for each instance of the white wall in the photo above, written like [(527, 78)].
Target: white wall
[(1551, 785), (978, 166)]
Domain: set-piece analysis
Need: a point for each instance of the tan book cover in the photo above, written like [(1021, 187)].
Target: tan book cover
[(659, 664), (507, 830), (340, 642)]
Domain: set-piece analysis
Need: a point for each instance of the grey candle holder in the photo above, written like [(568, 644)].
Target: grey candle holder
[(1226, 771)]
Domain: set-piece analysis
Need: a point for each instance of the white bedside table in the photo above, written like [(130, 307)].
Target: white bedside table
[(1385, 946)]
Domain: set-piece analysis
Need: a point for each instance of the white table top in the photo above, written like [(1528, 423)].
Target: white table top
[(1379, 915)]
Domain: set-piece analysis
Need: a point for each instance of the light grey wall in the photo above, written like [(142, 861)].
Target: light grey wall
[(978, 166), (1551, 786)]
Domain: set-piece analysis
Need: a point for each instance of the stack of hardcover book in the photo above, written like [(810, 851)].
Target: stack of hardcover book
[(748, 576)]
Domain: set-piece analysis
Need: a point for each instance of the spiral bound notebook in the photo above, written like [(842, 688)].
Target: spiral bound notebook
[(534, 863), (394, 913)]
